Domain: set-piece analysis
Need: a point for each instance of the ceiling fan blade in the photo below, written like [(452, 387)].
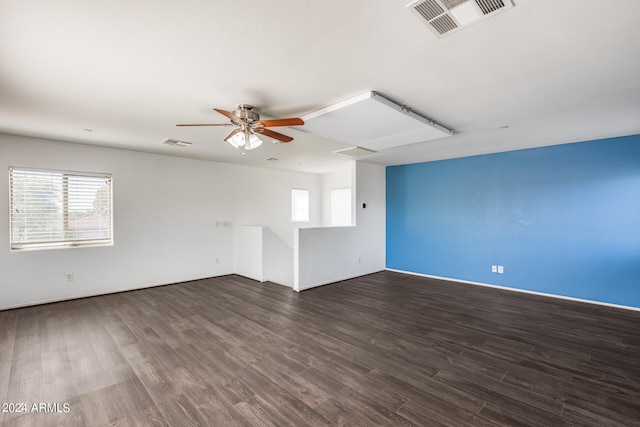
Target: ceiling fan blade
[(274, 135), (230, 116), (294, 121), (207, 124)]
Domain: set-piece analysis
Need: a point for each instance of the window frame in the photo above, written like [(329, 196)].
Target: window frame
[(65, 211)]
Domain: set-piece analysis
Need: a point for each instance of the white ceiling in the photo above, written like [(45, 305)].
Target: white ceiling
[(552, 71)]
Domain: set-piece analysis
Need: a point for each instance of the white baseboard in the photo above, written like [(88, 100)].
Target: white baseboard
[(97, 294), (72, 297), (328, 282), (525, 291)]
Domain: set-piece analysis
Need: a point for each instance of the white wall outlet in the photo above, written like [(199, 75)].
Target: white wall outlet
[(69, 277), (494, 268), (500, 269), (217, 260), (359, 260)]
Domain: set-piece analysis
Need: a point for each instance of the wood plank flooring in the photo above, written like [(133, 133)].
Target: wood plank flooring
[(384, 349)]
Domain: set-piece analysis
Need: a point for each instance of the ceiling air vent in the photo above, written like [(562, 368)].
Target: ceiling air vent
[(444, 17), (354, 151), (176, 143)]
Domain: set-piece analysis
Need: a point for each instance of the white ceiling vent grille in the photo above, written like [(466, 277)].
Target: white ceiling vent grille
[(444, 17), (354, 151), (429, 9), (443, 24), (176, 143)]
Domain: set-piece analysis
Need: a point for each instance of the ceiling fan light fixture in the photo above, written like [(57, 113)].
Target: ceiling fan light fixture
[(253, 142), (247, 140), (237, 140)]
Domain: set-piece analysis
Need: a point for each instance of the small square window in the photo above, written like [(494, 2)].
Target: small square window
[(299, 205)]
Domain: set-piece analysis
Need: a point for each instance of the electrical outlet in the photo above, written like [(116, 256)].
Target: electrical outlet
[(500, 269), (217, 260), (69, 277), (494, 268), (359, 259)]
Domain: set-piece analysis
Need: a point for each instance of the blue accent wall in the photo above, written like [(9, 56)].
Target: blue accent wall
[(563, 220)]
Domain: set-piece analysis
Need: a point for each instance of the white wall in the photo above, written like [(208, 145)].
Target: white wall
[(262, 197), (277, 258), (329, 254), (247, 252), (165, 215), (261, 255)]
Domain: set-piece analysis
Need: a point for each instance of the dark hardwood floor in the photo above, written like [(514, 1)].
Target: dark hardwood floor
[(384, 349)]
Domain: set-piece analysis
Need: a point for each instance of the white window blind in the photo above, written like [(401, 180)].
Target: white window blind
[(299, 205), (340, 207), (57, 209)]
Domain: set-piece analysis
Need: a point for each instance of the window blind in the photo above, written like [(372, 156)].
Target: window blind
[(299, 205), (58, 208)]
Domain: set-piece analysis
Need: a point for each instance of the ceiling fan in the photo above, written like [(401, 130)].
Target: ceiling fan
[(249, 126)]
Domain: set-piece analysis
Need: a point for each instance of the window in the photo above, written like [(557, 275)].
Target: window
[(341, 207), (299, 205), (52, 209)]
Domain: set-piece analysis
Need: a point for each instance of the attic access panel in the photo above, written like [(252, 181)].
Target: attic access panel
[(372, 121)]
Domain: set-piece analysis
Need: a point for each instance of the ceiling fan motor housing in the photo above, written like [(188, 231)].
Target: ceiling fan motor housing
[(245, 111)]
